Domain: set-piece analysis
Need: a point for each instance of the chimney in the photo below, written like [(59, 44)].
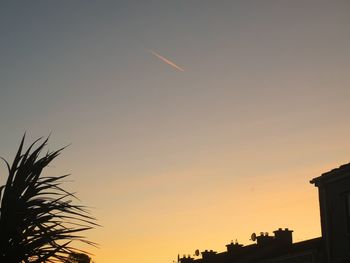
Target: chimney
[(264, 239), (185, 259), (208, 255), (234, 248), (284, 236)]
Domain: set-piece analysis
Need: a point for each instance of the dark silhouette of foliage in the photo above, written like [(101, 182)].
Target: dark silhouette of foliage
[(38, 220), (78, 258)]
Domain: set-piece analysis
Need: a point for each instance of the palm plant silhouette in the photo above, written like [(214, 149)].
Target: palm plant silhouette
[(38, 220)]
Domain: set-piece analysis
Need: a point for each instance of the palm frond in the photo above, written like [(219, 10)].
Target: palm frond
[(38, 219)]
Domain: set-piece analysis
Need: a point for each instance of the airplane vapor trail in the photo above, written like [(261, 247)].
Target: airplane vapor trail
[(166, 60)]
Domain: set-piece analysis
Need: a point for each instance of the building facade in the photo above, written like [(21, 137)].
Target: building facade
[(332, 247)]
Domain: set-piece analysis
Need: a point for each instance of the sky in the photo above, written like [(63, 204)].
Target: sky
[(190, 123)]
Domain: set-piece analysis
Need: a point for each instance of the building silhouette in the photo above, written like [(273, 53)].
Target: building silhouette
[(332, 247)]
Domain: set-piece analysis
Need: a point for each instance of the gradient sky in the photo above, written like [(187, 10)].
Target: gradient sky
[(172, 161)]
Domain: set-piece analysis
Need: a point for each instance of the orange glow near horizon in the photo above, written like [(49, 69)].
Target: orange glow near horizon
[(209, 216)]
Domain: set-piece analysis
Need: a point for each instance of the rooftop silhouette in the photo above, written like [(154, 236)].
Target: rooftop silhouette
[(332, 247)]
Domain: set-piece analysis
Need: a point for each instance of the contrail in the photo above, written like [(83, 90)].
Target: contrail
[(166, 60)]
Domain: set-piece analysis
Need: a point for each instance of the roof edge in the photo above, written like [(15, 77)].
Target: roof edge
[(332, 175)]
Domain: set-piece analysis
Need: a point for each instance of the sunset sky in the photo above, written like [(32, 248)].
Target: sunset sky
[(176, 160)]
